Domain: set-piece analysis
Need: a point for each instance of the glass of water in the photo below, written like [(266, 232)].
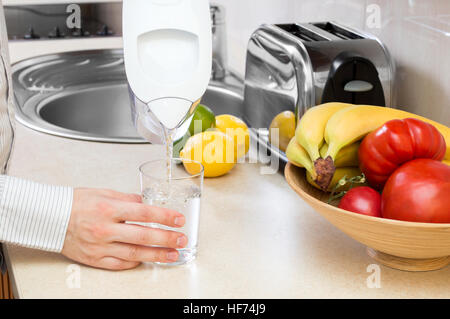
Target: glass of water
[(174, 188)]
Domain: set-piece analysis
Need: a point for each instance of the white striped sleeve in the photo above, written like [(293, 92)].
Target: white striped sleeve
[(34, 215)]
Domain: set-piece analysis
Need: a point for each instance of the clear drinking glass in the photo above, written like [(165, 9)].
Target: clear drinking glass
[(181, 192)]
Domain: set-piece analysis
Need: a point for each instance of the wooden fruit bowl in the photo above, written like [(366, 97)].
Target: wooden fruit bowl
[(401, 245)]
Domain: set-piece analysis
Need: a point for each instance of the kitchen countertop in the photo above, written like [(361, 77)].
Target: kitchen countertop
[(258, 239)]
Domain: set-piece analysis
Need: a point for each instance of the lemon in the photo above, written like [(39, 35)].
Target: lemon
[(213, 149), (237, 130), (204, 114), (285, 123)]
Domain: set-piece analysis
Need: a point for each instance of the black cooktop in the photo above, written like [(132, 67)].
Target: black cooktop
[(63, 21)]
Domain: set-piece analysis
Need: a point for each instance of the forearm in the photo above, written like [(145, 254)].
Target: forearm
[(34, 215)]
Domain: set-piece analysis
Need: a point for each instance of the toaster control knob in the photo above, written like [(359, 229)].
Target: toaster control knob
[(353, 79), (358, 86)]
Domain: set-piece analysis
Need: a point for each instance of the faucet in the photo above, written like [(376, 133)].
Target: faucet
[(219, 63)]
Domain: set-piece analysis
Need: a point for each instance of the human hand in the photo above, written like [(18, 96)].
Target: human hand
[(98, 236)]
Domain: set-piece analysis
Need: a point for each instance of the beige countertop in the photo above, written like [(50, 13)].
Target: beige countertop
[(257, 238)]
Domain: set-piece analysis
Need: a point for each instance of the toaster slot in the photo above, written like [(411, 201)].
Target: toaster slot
[(302, 33), (338, 31)]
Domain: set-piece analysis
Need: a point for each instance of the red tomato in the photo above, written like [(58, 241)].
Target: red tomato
[(362, 200), (395, 143), (419, 191)]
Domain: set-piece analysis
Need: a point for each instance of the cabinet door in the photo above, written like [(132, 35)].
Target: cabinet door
[(5, 287)]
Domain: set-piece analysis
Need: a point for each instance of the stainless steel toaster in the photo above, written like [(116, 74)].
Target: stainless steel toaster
[(296, 66)]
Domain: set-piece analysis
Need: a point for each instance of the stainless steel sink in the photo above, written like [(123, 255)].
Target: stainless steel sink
[(84, 95)]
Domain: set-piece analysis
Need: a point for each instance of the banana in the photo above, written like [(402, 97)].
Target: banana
[(353, 123), (347, 156), (338, 175), (311, 128), (298, 156), (446, 162)]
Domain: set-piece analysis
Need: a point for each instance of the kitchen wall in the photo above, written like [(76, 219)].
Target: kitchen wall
[(417, 32)]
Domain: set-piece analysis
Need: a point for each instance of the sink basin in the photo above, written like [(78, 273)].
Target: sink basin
[(84, 95)]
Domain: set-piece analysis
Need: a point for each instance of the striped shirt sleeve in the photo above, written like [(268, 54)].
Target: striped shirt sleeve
[(34, 215)]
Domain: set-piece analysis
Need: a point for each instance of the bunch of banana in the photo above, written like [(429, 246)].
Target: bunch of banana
[(339, 174), (346, 162), (327, 130)]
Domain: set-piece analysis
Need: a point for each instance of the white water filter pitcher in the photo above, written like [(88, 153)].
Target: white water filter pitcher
[(168, 60)]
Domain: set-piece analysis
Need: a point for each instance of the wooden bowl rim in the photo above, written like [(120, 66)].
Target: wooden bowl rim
[(401, 223)]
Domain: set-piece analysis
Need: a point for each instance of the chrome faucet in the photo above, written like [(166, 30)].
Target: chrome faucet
[(219, 64)]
